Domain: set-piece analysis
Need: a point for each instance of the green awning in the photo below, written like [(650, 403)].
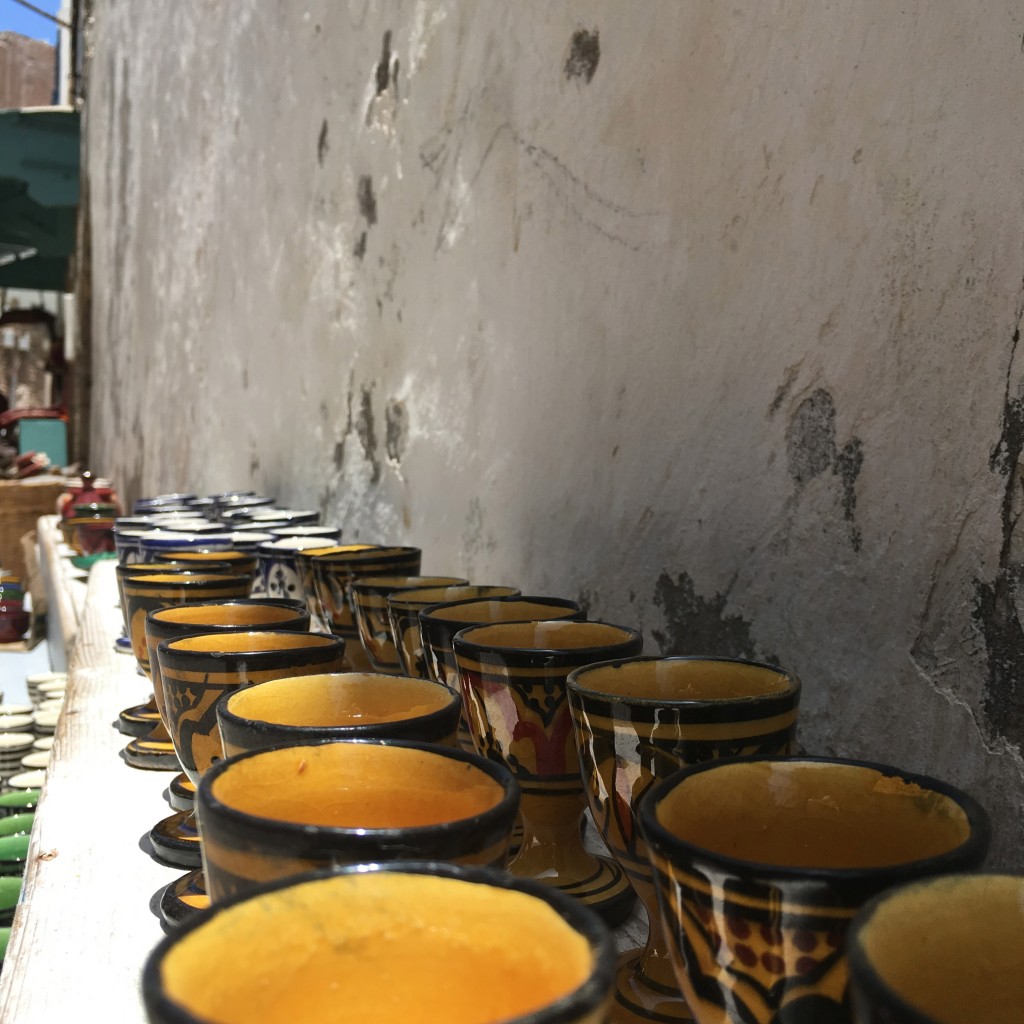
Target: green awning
[(39, 158)]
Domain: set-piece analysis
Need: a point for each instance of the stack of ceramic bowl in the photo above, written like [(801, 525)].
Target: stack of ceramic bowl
[(15, 717), (13, 747), (53, 690), (46, 721), (33, 683), (36, 760)]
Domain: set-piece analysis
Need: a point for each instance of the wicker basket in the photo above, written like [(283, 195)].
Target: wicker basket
[(22, 502)]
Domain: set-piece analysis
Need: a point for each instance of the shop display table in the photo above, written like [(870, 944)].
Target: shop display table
[(89, 913)]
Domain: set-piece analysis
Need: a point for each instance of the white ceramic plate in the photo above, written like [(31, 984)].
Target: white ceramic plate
[(27, 780)]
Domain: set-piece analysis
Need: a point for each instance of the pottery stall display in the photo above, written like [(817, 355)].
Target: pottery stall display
[(270, 814), (197, 671), (440, 623), (472, 944), (143, 594), (333, 573), (948, 950), (404, 607), (639, 721), (176, 837), (761, 864), (349, 705), (513, 679), (370, 605)]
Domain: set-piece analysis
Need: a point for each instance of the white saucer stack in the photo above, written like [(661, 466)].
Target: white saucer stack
[(36, 680), (13, 747)]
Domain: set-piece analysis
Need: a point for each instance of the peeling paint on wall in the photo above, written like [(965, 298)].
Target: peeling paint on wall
[(811, 451), (700, 625)]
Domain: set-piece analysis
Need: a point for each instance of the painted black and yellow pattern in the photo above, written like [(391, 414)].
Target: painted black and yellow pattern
[(144, 594), (638, 721), (763, 941), (513, 679), (334, 573), (370, 606), (404, 607), (197, 671)]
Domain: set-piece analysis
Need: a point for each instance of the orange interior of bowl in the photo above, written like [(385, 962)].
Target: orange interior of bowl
[(378, 947), (805, 814), (953, 947), (548, 636), (502, 611), (233, 643), (339, 699), (697, 680), (357, 785), (226, 614)]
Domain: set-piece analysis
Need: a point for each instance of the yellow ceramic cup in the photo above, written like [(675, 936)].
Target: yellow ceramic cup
[(410, 942), (269, 814)]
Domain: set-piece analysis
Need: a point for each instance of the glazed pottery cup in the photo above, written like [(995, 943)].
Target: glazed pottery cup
[(404, 607), (513, 677), (147, 593), (176, 837), (403, 942), (640, 720), (332, 572), (240, 562), (269, 814), (370, 606), (760, 865), (216, 617), (196, 671), (122, 572), (304, 572), (277, 573), (947, 950), (349, 705), (440, 623)]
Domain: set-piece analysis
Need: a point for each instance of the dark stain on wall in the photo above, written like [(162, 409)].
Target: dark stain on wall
[(584, 54), (699, 625), (367, 199), (811, 437), (783, 390), (996, 602), (339, 447), (384, 72), (254, 465), (396, 429), (367, 433), (322, 145), (847, 466), (811, 451), (359, 249)]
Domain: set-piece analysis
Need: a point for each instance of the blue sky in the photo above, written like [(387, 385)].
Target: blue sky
[(15, 18)]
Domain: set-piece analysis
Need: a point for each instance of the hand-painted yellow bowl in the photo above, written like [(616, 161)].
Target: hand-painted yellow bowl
[(269, 814), (342, 705), (411, 942)]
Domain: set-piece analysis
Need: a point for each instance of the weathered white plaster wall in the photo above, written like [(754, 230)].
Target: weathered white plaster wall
[(707, 313)]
